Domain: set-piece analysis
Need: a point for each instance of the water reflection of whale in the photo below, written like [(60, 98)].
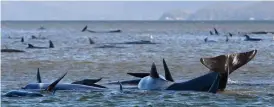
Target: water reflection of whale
[(91, 31), (220, 67), (248, 38)]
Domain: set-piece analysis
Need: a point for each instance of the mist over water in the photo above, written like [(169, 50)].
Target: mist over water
[(181, 44)]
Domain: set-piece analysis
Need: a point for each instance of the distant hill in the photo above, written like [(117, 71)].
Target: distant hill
[(230, 11), (175, 15)]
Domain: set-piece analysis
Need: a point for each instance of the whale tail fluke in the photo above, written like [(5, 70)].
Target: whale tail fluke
[(233, 61), (38, 76), (167, 72), (51, 44), (90, 41), (226, 64), (85, 28)]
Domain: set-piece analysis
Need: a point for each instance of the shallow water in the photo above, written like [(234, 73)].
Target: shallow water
[(181, 44)]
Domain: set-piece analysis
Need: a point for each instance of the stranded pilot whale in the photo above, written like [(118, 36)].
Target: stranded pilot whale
[(220, 67), (30, 46), (86, 84), (247, 38), (91, 31), (21, 93)]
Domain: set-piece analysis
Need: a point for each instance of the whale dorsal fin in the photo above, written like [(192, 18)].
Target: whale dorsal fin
[(38, 76), (139, 75), (85, 28), (121, 86), (30, 46), (51, 87), (22, 39), (167, 72), (211, 33), (90, 41), (51, 44), (216, 32), (246, 36), (153, 71), (235, 61), (230, 34)]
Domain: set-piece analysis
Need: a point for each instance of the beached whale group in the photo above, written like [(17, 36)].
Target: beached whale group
[(220, 67)]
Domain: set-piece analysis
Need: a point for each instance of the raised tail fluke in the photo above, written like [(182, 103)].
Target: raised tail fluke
[(38, 76), (226, 64), (51, 87), (234, 61), (167, 72), (51, 44), (85, 28)]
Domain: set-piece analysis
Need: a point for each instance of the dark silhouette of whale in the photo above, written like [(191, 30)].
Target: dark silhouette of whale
[(28, 93), (206, 40), (216, 32), (22, 39), (11, 50), (220, 67), (109, 46), (248, 38), (30, 46), (86, 84), (138, 42), (91, 31)]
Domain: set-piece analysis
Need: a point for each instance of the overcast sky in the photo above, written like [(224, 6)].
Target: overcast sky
[(93, 10)]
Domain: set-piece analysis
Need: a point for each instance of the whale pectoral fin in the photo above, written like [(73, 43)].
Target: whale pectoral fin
[(85, 28), (215, 85), (167, 72), (96, 85), (153, 71), (38, 76), (51, 87), (139, 75), (87, 81), (90, 41)]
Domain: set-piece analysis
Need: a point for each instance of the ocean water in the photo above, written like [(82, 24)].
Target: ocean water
[(181, 43)]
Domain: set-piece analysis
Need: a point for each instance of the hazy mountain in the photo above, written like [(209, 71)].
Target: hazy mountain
[(229, 11), (175, 15)]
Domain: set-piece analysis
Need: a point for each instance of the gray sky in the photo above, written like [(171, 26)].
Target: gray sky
[(93, 10)]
